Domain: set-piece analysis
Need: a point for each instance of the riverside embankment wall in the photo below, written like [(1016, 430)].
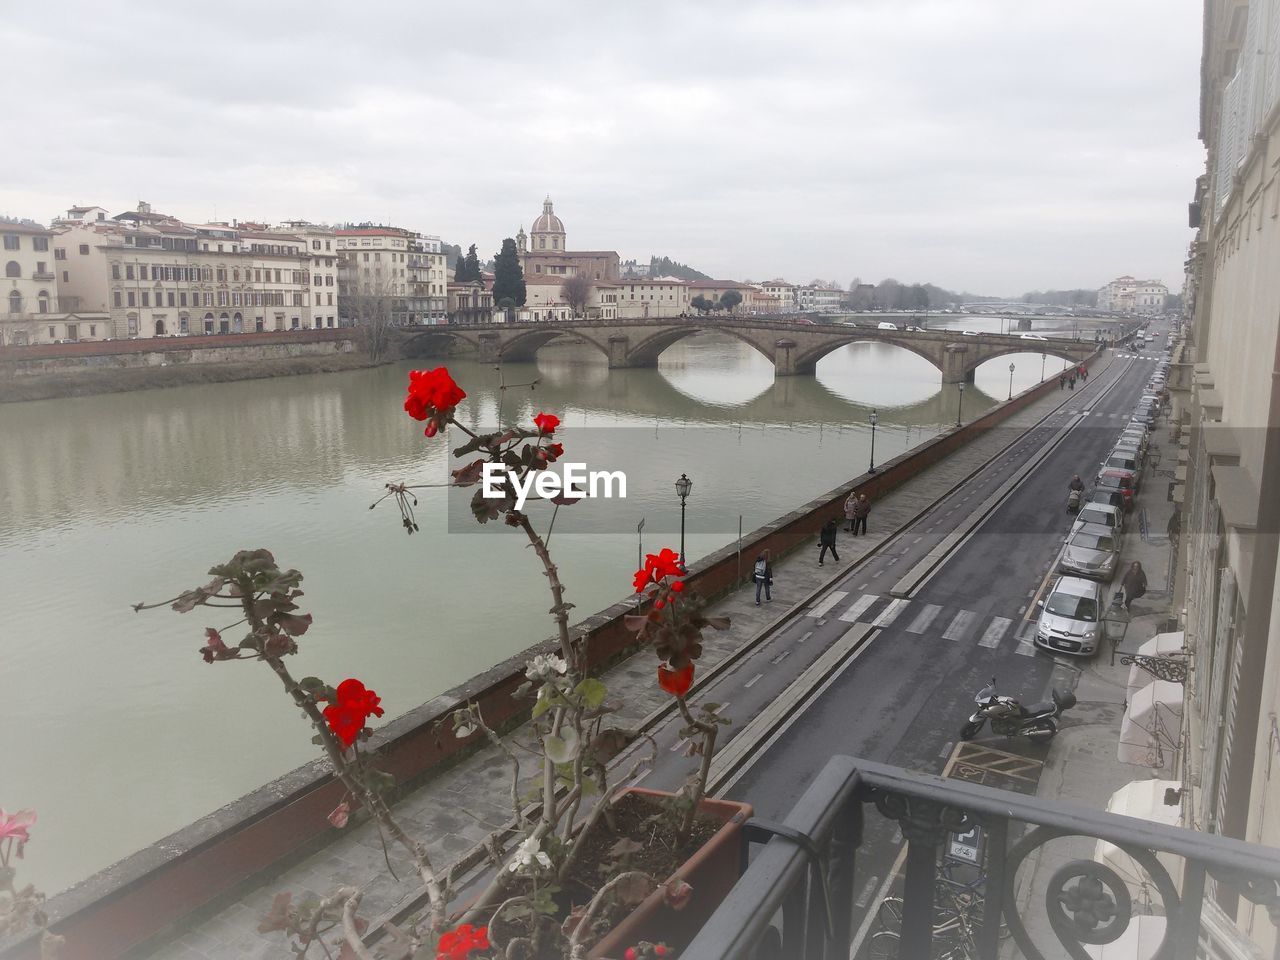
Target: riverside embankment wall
[(49, 370), (207, 864)]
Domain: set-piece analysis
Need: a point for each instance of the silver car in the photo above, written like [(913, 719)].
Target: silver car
[(1099, 513), (1092, 550), (1071, 617)]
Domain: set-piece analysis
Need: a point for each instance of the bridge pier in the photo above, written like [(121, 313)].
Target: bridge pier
[(490, 349), (954, 361), (784, 359), (619, 350)]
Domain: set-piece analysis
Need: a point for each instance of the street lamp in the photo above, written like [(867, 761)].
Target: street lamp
[(683, 486), (874, 419), (960, 406), (1011, 381), (1043, 358)]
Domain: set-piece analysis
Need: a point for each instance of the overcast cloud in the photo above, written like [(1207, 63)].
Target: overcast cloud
[(989, 145)]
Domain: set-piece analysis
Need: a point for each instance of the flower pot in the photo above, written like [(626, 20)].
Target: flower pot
[(711, 871)]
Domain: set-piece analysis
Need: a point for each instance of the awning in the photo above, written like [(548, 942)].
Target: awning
[(1138, 942), (1150, 727), (1143, 799), (1161, 645)]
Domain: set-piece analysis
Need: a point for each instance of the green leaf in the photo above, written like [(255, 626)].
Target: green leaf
[(543, 704), (561, 749), (592, 692)]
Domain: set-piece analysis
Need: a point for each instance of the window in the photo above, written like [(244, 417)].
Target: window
[(93, 329), (66, 276), (277, 276), (315, 244), (116, 298), (222, 273), (84, 249), (11, 269), (15, 301), (59, 254), (129, 299), (169, 298), (43, 300), (222, 298), (12, 241), (182, 299), (53, 333), (235, 273), (319, 301), (128, 271), (235, 299), (142, 271), (330, 303), (208, 299), (146, 299)]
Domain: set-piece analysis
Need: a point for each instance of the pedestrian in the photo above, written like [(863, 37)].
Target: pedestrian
[(1174, 527), (763, 576), (827, 541), (1134, 583), (1062, 382), (861, 509), (1072, 382), (850, 511)]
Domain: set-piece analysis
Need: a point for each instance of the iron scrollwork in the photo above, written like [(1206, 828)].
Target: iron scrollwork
[(922, 820), (1172, 669), (1086, 901)]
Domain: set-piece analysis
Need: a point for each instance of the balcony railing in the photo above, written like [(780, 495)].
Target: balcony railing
[(798, 898)]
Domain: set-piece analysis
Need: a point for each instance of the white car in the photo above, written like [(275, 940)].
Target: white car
[(1071, 617), (1103, 513), (884, 325), (1033, 336), (969, 333)]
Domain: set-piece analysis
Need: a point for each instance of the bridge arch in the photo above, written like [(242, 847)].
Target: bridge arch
[(646, 352), (1028, 346), (807, 362), (524, 346), (414, 344)]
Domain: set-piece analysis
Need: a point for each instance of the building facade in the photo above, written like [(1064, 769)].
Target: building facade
[(810, 298), (784, 294), (373, 263), (1226, 387), (34, 309), (652, 297), (1127, 295), (428, 281)]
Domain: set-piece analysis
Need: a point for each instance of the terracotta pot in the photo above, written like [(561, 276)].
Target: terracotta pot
[(711, 871)]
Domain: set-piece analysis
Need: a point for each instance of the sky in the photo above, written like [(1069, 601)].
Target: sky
[(994, 146)]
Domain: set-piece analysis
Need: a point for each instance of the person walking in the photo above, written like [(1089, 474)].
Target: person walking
[(860, 511), (1062, 382), (850, 511), (763, 576), (827, 541), (1134, 583), (1072, 382)]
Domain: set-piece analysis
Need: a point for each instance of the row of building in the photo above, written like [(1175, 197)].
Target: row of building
[(94, 276)]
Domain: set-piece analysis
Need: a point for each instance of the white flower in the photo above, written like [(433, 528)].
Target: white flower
[(545, 667), (527, 854)]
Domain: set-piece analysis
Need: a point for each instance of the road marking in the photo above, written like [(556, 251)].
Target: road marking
[(891, 612), (754, 680), (820, 609), (1022, 609), (960, 625), (780, 657), (807, 635), (858, 606), (917, 540), (862, 586), (995, 632), (921, 623)]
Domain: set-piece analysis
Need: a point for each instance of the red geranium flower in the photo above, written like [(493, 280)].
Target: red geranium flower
[(675, 682), (432, 397), (546, 423), (642, 579), (458, 944), (664, 563), (350, 709)]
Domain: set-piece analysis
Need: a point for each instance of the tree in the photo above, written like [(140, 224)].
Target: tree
[(919, 297), (576, 291), (729, 300), (368, 303), (508, 278), (702, 304), (460, 270), (473, 264)]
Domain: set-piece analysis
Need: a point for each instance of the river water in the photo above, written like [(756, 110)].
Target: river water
[(117, 732)]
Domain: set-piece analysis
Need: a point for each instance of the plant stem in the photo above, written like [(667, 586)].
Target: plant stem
[(708, 731), (584, 925), (349, 932)]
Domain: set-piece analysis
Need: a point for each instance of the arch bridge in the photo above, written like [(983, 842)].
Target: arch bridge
[(793, 348)]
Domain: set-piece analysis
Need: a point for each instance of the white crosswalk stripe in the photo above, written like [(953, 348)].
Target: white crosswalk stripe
[(821, 608), (960, 625), (858, 606), (995, 632), (921, 623), (891, 612)]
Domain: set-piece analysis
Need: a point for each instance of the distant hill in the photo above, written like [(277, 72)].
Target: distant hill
[(1062, 298), (666, 267)]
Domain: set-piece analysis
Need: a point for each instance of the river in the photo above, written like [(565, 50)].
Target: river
[(117, 732)]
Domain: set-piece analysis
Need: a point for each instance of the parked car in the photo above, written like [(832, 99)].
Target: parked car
[(1120, 480), (1033, 336), (1126, 459), (1070, 617), (969, 333), (885, 325), (1105, 514), (1092, 551)]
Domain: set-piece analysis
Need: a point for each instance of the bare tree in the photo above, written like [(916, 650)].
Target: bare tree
[(576, 291), (369, 303)]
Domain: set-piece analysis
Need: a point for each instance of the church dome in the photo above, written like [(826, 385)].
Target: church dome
[(547, 221)]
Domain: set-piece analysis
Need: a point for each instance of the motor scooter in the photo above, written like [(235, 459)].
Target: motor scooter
[(1012, 719)]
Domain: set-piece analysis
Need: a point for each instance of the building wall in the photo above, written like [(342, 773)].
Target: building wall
[(652, 298), (1230, 551)]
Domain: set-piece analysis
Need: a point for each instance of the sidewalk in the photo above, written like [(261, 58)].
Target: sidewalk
[(1082, 766), (461, 807)]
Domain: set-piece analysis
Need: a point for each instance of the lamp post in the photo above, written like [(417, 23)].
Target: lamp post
[(683, 486), (874, 419), (1043, 358), (960, 406), (1011, 381)]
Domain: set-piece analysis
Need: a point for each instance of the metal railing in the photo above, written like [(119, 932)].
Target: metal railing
[(797, 897)]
